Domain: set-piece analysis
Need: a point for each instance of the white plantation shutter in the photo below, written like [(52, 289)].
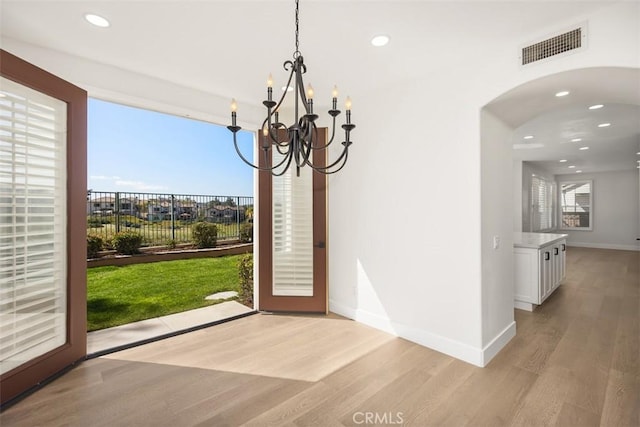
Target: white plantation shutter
[(293, 233), (542, 201), (32, 224)]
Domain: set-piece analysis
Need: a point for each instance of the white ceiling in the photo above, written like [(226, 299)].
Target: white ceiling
[(228, 48), (534, 110)]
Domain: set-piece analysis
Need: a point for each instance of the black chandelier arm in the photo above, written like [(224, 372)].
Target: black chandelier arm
[(244, 159), (333, 134), (333, 130), (270, 133), (286, 159), (286, 168), (325, 170), (307, 145), (300, 84), (273, 137)]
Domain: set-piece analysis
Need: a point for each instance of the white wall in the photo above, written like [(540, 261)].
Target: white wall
[(615, 211), (408, 230), (498, 325), (425, 281)]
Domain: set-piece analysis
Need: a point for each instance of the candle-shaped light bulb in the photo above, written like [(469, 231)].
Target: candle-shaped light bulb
[(334, 92), (265, 131), (234, 106), (309, 91), (347, 103), (270, 87)]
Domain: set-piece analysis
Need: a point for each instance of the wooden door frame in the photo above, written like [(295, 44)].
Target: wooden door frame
[(26, 376), (265, 234)]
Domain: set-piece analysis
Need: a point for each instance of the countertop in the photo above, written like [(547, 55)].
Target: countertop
[(535, 240)]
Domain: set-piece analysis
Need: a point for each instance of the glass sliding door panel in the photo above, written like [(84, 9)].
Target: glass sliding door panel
[(33, 217)]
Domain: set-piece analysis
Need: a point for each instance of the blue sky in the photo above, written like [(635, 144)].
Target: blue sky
[(135, 150)]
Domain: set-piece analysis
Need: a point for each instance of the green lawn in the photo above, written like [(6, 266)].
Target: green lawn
[(120, 295)]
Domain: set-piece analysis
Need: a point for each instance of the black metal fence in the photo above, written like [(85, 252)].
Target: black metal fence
[(165, 219)]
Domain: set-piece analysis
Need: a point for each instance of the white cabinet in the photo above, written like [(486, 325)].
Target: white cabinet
[(539, 267)]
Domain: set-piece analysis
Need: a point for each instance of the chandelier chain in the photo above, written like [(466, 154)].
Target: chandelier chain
[(296, 54)]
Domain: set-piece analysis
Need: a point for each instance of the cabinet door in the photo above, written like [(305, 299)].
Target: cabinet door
[(563, 260), (556, 274), (545, 273)]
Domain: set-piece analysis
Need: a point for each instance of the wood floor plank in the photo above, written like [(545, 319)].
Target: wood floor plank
[(622, 402), (502, 402), (575, 361), (571, 415)]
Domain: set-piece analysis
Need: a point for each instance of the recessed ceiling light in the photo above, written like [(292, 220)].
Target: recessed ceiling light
[(572, 167), (97, 20), (596, 107), (527, 146), (578, 171), (563, 161), (604, 125), (528, 137), (576, 140), (562, 93), (638, 153), (287, 88), (584, 148), (380, 40)]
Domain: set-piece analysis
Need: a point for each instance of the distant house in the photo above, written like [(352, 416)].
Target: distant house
[(101, 205), (186, 209), (158, 210), (226, 214), (108, 205)]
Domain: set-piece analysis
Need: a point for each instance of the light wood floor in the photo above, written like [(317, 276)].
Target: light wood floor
[(573, 362)]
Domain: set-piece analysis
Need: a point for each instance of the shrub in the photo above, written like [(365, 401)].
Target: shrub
[(94, 245), (246, 232), (93, 222), (245, 273), (171, 244), (127, 242), (205, 235)]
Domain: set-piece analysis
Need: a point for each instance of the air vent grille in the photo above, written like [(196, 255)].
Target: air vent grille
[(554, 46)]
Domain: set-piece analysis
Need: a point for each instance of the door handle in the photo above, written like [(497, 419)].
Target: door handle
[(320, 245), (564, 247), (556, 251), (547, 256)]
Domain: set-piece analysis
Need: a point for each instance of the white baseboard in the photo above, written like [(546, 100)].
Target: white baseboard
[(604, 246), (473, 355), (494, 347), (450, 347), (527, 306)]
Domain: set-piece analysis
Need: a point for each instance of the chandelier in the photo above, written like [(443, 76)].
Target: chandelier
[(296, 143)]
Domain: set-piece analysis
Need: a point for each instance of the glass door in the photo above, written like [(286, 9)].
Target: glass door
[(42, 225), (292, 238)]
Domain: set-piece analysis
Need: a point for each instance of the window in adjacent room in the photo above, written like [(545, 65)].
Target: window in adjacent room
[(542, 204), (576, 203)]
